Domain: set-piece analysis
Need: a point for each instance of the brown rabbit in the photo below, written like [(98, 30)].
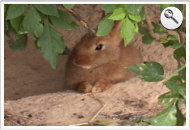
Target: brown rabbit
[(96, 63)]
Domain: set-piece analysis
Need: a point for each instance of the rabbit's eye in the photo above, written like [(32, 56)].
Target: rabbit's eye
[(99, 47)]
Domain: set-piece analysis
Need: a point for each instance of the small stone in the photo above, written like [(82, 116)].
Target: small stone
[(80, 116), (18, 121), (29, 115), (74, 114)]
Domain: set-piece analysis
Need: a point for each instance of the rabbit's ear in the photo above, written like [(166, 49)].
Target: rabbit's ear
[(115, 33)]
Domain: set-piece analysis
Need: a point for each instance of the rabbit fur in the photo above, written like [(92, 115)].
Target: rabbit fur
[(97, 62)]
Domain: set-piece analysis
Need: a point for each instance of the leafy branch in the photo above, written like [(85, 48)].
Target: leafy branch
[(129, 15), (175, 98)]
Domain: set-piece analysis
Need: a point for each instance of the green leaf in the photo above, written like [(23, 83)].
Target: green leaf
[(105, 26), (183, 74), (158, 28), (47, 9), (171, 40), (127, 30), (165, 118), (179, 6), (31, 22), (7, 27), (146, 38), (182, 91), (174, 84), (68, 6), (180, 53), (118, 14), (180, 117), (135, 17), (108, 8), (133, 8), (168, 99), (15, 10), (167, 43), (172, 37), (65, 21), (176, 45), (51, 44), (136, 27), (155, 78), (163, 6), (16, 23), (142, 14), (6, 6), (150, 71), (20, 43)]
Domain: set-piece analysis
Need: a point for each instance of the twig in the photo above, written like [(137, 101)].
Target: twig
[(79, 19), (80, 124), (181, 36), (97, 113), (101, 102), (151, 28)]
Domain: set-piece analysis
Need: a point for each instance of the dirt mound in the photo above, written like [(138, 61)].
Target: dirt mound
[(134, 97)]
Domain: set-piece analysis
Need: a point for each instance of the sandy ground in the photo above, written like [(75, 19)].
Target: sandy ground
[(34, 92)]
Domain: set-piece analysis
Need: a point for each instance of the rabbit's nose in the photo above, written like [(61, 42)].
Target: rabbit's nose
[(82, 66), (82, 60)]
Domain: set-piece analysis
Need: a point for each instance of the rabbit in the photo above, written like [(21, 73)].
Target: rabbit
[(97, 62)]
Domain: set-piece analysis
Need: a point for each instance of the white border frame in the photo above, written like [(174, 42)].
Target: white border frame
[(95, 2)]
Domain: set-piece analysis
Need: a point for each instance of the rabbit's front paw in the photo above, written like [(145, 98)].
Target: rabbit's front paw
[(101, 86), (84, 87)]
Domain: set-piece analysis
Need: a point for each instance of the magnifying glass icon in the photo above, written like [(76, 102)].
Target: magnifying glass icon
[(169, 14)]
